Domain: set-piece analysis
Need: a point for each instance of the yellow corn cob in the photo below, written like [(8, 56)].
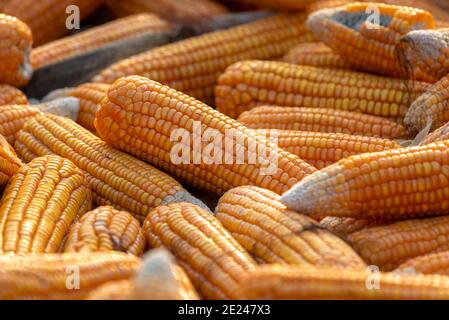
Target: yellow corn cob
[(16, 41), (90, 96), (433, 263), (393, 184), (56, 276), (248, 84), (323, 149), (343, 227), (106, 229), (305, 282), (141, 116), (389, 246), (193, 65), (80, 43), (264, 228), (181, 11), (437, 12), (11, 95), (208, 253), (369, 45), (40, 203), (321, 120), (429, 108), (116, 178), (440, 134), (315, 54), (9, 162), (47, 18)]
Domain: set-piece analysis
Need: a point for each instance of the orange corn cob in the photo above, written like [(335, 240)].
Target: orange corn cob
[(393, 184), (143, 118), (389, 246), (90, 96), (181, 11), (62, 276), (353, 28), (326, 4), (440, 134), (194, 65), (16, 41), (11, 95), (248, 84), (48, 19), (305, 282), (9, 162), (40, 203), (315, 54), (343, 227), (106, 229), (212, 258), (433, 263), (103, 35), (116, 178), (321, 120), (264, 227), (437, 12)]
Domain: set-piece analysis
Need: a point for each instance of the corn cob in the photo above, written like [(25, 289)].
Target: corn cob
[(305, 282), (47, 18), (248, 84), (353, 28), (16, 41), (211, 257), (315, 54), (143, 117), (389, 246), (343, 227), (11, 95), (57, 94), (326, 4), (106, 229), (321, 120), (193, 65), (56, 276), (40, 203), (116, 178), (437, 12), (13, 117), (433, 263), (264, 228), (90, 96), (9, 162), (432, 107), (80, 43), (181, 11), (440, 134)]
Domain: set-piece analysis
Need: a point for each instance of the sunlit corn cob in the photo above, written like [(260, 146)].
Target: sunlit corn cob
[(105, 34), (11, 95), (62, 276), (366, 34), (50, 19), (267, 230), (16, 41), (147, 119), (248, 84), (305, 282), (315, 54), (181, 11), (343, 227), (281, 4), (212, 258), (440, 134), (389, 246), (437, 12), (321, 120), (90, 96), (116, 178), (433, 263), (194, 65), (9, 162), (106, 229), (39, 205)]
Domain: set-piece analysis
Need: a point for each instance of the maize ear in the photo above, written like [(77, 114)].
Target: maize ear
[(433, 263), (57, 94), (343, 227), (266, 230), (440, 134), (212, 258), (326, 4), (40, 203), (106, 229), (9, 162), (11, 95), (194, 65), (144, 118), (116, 178), (248, 84)]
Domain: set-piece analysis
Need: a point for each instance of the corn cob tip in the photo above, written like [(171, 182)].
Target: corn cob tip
[(57, 94), (64, 107), (184, 196)]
